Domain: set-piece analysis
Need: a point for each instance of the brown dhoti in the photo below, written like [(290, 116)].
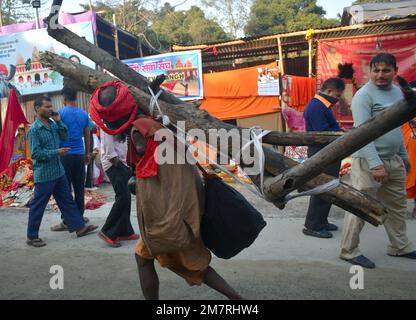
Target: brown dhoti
[(169, 210)]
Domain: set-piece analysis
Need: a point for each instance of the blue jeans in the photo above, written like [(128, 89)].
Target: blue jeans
[(59, 188), (74, 165)]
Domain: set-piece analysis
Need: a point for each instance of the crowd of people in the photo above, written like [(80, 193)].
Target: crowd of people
[(169, 221)]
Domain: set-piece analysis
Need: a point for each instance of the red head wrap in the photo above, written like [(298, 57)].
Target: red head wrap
[(124, 104)]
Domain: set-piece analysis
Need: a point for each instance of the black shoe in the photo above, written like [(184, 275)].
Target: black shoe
[(331, 227), (319, 234), (410, 255), (362, 261)]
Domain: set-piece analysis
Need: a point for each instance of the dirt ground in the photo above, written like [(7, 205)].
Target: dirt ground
[(281, 264)]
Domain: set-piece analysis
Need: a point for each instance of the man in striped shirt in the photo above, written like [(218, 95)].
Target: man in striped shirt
[(49, 174)]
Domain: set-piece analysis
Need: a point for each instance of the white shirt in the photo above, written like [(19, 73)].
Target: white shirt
[(110, 148)]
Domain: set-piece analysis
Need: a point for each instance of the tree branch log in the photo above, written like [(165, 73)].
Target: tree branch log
[(301, 138), (344, 196), (385, 121), (101, 57)]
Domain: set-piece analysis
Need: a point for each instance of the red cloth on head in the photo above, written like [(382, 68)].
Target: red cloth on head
[(124, 104), (146, 166), (14, 118)]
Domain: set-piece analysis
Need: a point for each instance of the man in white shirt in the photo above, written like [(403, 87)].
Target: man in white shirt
[(113, 158)]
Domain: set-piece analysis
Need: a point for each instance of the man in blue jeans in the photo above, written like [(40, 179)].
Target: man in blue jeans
[(49, 174), (77, 122)]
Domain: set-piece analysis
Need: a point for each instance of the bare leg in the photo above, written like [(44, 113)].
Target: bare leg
[(216, 282), (149, 280)]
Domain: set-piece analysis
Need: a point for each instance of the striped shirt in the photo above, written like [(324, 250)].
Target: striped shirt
[(44, 145)]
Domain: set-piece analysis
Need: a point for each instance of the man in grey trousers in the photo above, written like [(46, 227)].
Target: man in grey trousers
[(379, 169)]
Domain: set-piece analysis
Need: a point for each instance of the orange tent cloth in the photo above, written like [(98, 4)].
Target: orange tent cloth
[(411, 150), (234, 94), (303, 90), (238, 108)]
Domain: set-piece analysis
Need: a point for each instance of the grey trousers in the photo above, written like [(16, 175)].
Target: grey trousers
[(392, 193)]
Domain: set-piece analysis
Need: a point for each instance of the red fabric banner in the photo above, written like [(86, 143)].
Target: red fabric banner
[(14, 118), (360, 50)]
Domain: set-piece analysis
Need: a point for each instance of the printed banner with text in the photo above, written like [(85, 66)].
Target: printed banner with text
[(182, 69), (20, 65)]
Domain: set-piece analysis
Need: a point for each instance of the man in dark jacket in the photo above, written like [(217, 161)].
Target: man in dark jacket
[(319, 117)]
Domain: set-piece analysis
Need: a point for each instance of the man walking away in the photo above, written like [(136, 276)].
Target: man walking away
[(77, 122)]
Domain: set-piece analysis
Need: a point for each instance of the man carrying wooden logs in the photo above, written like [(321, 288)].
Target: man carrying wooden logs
[(379, 169), (170, 200)]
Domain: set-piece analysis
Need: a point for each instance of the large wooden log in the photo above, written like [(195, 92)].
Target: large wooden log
[(123, 72), (385, 121), (98, 55), (301, 138), (344, 196)]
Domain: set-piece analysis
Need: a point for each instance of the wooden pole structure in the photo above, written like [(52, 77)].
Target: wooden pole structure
[(387, 120), (343, 196), (281, 62), (310, 45), (116, 37), (106, 61)]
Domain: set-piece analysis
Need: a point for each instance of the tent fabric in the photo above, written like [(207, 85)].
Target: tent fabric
[(302, 91), (237, 108), (241, 83), (234, 94), (14, 118)]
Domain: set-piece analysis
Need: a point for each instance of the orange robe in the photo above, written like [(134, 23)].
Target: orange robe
[(411, 150)]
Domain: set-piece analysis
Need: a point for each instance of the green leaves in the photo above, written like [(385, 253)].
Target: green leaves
[(279, 16)]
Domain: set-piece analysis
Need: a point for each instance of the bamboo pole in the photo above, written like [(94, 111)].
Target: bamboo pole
[(116, 48), (281, 62), (310, 43)]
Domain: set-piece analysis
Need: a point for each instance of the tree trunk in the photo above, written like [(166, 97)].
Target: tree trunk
[(102, 58), (344, 196), (301, 138), (393, 117)]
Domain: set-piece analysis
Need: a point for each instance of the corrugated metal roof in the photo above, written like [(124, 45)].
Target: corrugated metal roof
[(372, 12), (267, 45)]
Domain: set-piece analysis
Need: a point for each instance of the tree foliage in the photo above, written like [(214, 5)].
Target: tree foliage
[(279, 16), (231, 15), (160, 26)]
